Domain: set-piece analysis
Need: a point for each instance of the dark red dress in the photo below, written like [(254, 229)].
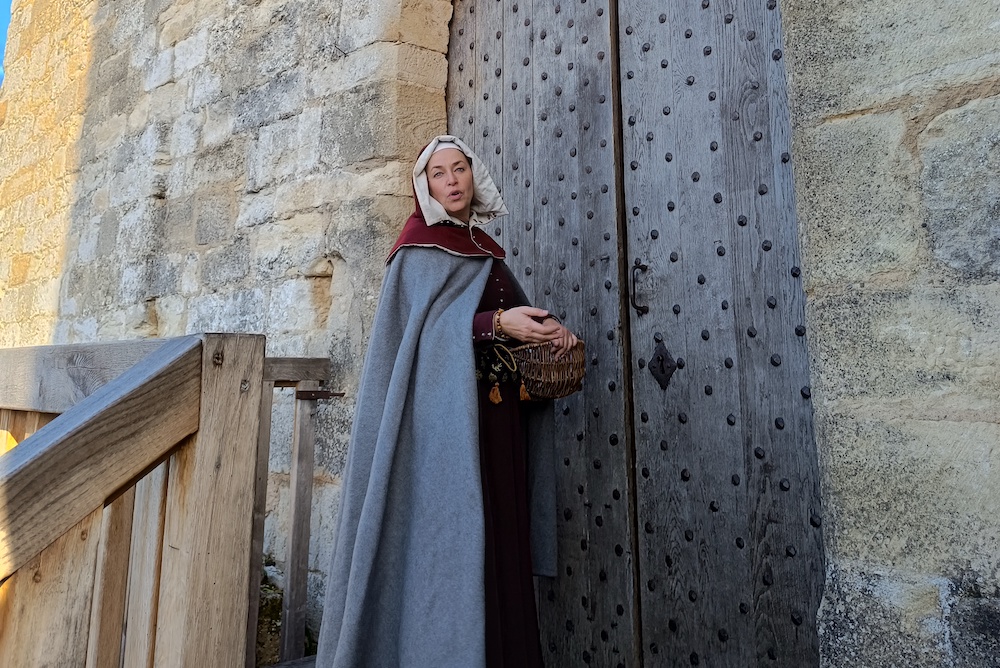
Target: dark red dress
[(512, 639)]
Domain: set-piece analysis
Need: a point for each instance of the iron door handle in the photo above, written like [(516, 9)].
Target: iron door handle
[(640, 309)]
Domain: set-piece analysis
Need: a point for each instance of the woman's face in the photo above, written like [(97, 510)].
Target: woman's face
[(449, 178)]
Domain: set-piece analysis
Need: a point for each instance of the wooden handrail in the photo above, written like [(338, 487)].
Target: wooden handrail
[(148, 482), (52, 379), (74, 464)]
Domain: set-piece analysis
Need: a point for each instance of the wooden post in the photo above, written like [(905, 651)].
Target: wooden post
[(259, 509), (293, 606), (107, 614), (204, 582), (144, 568)]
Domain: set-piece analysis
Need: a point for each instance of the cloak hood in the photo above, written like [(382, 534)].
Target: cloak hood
[(430, 226), (486, 201)]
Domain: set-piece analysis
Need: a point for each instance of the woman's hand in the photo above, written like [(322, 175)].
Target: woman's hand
[(535, 325)]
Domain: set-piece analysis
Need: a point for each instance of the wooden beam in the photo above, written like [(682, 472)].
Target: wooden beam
[(144, 568), (259, 509), (50, 379), (70, 467), (204, 579), (293, 604), (287, 371), (107, 618)]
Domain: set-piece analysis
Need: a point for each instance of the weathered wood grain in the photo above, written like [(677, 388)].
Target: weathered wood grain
[(107, 618), (287, 371), (145, 555), (204, 580), (45, 606), (50, 379), (71, 466), (259, 510), (294, 601)]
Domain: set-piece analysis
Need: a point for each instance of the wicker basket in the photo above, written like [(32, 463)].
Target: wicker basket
[(544, 376)]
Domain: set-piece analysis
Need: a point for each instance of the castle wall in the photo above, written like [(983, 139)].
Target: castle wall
[(896, 114)]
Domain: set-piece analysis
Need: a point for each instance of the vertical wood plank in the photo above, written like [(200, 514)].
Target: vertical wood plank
[(107, 621), (45, 605), (724, 453), (259, 510), (293, 604), (553, 157), (204, 585), (145, 552)]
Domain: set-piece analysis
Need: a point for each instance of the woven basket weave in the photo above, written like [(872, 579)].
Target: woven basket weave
[(544, 376)]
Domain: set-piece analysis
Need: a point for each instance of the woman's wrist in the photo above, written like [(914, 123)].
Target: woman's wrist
[(498, 332)]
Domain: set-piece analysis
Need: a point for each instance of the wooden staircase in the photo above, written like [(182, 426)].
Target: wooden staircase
[(131, 508)]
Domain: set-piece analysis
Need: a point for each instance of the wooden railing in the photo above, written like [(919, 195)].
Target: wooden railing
[(131, 509)]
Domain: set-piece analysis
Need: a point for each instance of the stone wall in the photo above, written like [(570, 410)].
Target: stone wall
[(41, 119), (896, 114), (174, 166)]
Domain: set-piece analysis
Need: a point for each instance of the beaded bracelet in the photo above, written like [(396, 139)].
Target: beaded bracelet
[(498, 332)]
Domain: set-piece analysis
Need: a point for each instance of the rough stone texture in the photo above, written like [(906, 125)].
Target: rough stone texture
[(896, 107), (960, 178), (173, 166)]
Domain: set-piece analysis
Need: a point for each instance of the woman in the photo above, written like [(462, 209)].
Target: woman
[(432, 558)]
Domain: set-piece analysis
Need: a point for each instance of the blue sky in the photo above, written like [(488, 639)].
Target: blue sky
[(4, 22)]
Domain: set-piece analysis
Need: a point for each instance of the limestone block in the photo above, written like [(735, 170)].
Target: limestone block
[(226, 265), (284, 148), (219, 122), (904, 611), (255, 209), (191, 52), (214, 215), (160, 70), (380, 120), (219, 166), (382, 61), (144, 47), (176, 26), (278, 97), (171, 315), (858, 215), (960, 183), (932, 350), (239, 310), (321, 35), (853, 54), (424, 23), (205, 86), (186, 134), (302, 195), (283, 248), (363, 23), (178, 225), (138, 117), (168, 100), (296, 304), (917, 493), (139, 228), (275, 49)]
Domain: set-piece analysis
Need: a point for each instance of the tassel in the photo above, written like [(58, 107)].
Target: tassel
[(524, 393), (495, 393)]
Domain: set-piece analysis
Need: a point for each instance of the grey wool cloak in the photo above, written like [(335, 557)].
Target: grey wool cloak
[(406, 584)]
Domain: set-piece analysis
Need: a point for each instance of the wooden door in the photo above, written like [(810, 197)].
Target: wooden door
[(643, 150)]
